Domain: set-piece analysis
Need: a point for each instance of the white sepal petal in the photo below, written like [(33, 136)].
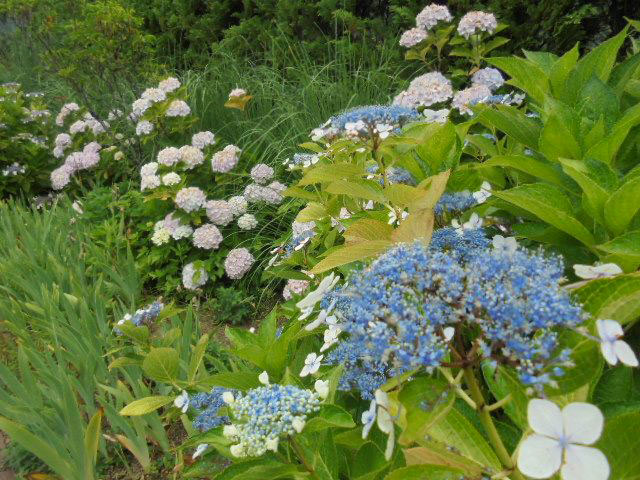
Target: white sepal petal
[(539, 456), (582, 422), (584, 463), (625, 354), (545, 418)]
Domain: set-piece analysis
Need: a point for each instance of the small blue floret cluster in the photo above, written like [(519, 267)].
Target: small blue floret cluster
[(396, 310), (208, 405)]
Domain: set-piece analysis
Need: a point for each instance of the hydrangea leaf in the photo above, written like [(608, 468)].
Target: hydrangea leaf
[(549, 204), (329, 416), (367, 229), (145, 405), (617, 298), (622, 206), (543, 171), (352, 253), (502, 382), (425, 400), (368, 462), (236, 380), (330, 173), (425, 472), (262, 467), (585, 354), (162, 364), (366, 189), (525, 75), (620, 443), (418, 226), (627, 245), (511, 121), (557, 140), (455, 430), (433, 454)]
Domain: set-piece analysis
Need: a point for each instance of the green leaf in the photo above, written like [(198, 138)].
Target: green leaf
[(330, 173), (351, 253), (263, 467), (502, 382), (494, 43), (329, 416), (145, 405), (544, 60), (91, 442), (550, 205), (455, 430), (236, 380), (617, 298), (41, 449), (585, 354), (627, 245), (596, 180), (426, 400), (598, 62), (598, 100), (401, 195), (511, 121), (525, 75), (367, 229), (624, 72), (313, 211), (196, 357), (366, 189), (620, 443), (440, 146), (368, 462), (162, 364), (622, 206), (425, 472), (440, 455), (556, 140), (537, 168), (297, 192), (617, 385)]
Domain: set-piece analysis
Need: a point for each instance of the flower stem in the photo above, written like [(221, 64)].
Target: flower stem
[(301, 456), (489, 426)]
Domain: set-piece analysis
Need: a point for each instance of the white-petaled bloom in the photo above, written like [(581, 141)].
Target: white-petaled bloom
[(200, 449), (311, 364), (393, 216), (237, 93), (436, 116), (114, 114), (139, 107), (77, 206), (178, 108), (154, 95), (78, 126), (327, 283), (468, 97), (263, 378), (483, 194), (385, 421), (322, 388), (190, 199), (181, 231), (207, 237), (261, 173), (559, 442), (298, 424), (63, 140), (58, 152), (229, 430), (613, 348), (238, 262), (331, 335), (294, 287), (203, 139), (476, 22), (413, 37), (490, 77), (182, 401), (219, 212), (225, 160), (272, 444), (150, 168), (169, 156), (169, 84), (425, 90), (171, 178), (191, 156), (247, 222), (448, 333), (97, 127), (237, 450), (160, 236), (64, 111), (228, 398), (431, 15), (473, 223), (508, 245), (149, 182), (60, 177), (589, 272), (144, 127), (193, 278), (238, 205)]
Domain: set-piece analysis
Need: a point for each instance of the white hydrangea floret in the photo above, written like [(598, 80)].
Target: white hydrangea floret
[(144, 127), (170, 179), (468, 97), (219, 212), (191, 156), (238, 205), (169, 84), (490, 77), (169, 156), (413, 37), (178, 108), (261, 173), (432, 14), (154, 95), (476, 22), (225, 160), (203, 139)]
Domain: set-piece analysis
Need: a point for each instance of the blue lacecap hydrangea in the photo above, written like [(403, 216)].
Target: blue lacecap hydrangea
[(454, 203), (207, 405), (395, 175), (142, 316), (395, 310), (376, 114)]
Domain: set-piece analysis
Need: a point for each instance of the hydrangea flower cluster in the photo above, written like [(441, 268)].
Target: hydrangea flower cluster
[(366, 121), (463, 99), (143, 316), (238, 262), (489, 77), (476, 22), (301, 160), (162, 100), (264, 414), (192, 277), (427, 19), (294, 287), (425, 90), (398, 311), (413, 37), (455, 202), (14, 169), (208, 405)]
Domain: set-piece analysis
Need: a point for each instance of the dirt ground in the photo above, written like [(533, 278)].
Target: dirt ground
[(4, 474)]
